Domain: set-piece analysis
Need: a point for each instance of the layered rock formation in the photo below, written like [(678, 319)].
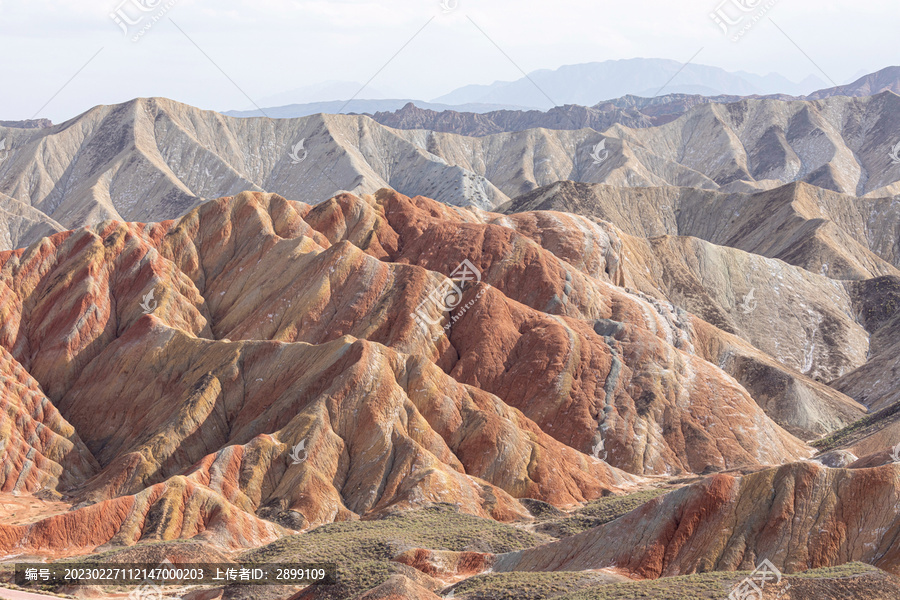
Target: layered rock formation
[(827, 233), (154, 159), (263, 355), (593, 363), (878, 304), (680, 292), (177, 508), (798, 517), (735, 291), (808, 302), (260, 367), (40, 448), (874, 440), (21, 225)]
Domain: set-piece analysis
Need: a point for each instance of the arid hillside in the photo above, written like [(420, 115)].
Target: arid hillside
[(153, 159), (261, 367)]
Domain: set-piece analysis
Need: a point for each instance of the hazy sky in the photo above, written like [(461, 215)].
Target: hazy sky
[(271, 46)]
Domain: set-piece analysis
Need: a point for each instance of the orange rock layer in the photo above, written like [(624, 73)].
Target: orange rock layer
[(263, 353)]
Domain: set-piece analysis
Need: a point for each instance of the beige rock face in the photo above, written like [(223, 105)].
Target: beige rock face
[(754, 142), (876, 439), (153, 159), (21, 225), (827, 233), (804, 319)]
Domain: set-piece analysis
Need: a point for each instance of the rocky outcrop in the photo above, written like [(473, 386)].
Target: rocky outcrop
[(175, 509), (875, 439), (307, 406), (878, 304), (446, 566), (728, 288), (398, 587), (601, 252), (403, 443), (798, 516), (754, 143)]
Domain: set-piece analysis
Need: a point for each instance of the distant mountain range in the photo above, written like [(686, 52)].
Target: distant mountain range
[(584, 84), (112, 163), (654, 87), (362, 107), (629, 110), (590, 83)]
